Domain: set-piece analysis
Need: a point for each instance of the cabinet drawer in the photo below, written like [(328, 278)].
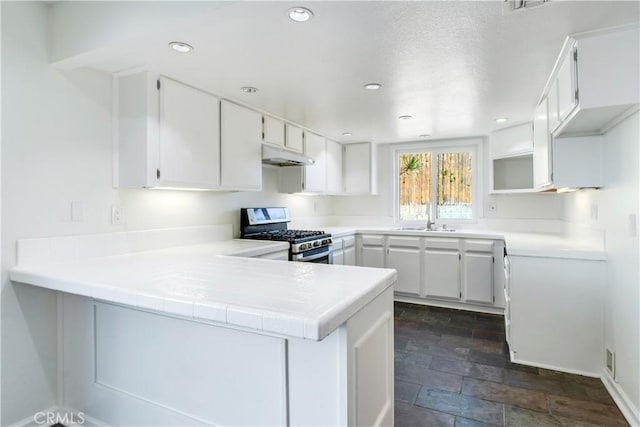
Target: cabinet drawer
[(405, 242), (434, 243), (478, 245), (347, 242), (373, 240)]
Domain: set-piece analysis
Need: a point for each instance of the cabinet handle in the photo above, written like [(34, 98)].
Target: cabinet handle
[(158, 173), (158, 84)]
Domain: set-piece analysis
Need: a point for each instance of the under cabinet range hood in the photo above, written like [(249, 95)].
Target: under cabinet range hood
[(280, 157)]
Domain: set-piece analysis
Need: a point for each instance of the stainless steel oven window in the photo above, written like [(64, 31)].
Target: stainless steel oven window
[(324, 257)]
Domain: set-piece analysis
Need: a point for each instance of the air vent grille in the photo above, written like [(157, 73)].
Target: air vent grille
[(611, 362)]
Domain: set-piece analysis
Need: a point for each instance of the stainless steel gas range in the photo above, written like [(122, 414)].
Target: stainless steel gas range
[(271, 224)]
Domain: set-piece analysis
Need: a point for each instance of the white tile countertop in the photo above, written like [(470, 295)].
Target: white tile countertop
[(548, 245), (302, 300)]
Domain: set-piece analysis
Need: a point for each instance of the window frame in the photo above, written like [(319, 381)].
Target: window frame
[(473, 145)]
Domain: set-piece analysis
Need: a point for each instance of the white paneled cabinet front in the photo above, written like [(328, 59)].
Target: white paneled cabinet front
[(294, 138), (371, 250), (541, 147), (442, 274), (273, 131), (403, 254), (168, 134), (315, 176), (241, 150), (478, 277), (344, 250), (359, 161), (334, 167)]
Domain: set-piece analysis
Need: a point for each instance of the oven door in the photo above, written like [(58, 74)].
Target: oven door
[(322, 255)]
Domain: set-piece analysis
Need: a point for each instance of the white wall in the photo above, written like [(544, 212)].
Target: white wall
[(615, 203), (511, 206), (56, 142)]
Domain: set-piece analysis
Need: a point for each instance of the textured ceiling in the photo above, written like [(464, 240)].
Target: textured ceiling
[(453, 65)]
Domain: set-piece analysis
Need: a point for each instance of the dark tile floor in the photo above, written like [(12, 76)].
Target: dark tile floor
[(452, 369)]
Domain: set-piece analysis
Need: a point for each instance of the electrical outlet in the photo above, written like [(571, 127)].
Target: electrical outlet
[(594, 211), (116, 215), (492, 208)]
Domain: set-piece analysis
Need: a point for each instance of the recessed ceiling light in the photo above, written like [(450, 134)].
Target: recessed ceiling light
[(373, 86), (249, 89), (300, 14), (407, 117), (501, 119), (347, 134), (425, 135), (181, 47)]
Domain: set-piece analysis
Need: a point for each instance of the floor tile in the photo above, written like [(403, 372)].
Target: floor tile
[(518, 417), (491, 359), (502, 393), (467, 369), (585, 411), (406, 392), (466, 422), (429, 378), (416, 358), (436, 350), (450, 330), (415, 416), (471, 343), (457, 404), (488, 335)]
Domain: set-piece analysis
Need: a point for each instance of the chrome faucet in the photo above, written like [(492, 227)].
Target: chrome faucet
[(430, 224)]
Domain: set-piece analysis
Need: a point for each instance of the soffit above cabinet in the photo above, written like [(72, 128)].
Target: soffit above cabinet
[(453, 66)]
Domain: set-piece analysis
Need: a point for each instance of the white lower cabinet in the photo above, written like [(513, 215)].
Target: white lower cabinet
[(556, 313), (442, 274), (371, 251), (442, 268), (344, 251), (448, 271), (403, 254), (478, 266)]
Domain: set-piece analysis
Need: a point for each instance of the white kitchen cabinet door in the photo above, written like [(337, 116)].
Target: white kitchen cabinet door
[(358, 161), (442, 274), (334, 167), (567, 86), (372, 256), (241, 148), (273, 131), (189, 136), (349, 255), (541, 147), (406, 261), (338, 257), (294, 138), (478, 278), (315, 176), (552, 105), (511, 141)]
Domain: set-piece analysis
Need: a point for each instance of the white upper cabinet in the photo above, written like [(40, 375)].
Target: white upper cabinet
[(541, 146), (596, 79), (359, 168), (512, 159), (315, 176), (294, 138), (334, 167), (553, 105), (512, 141), (241, 153), (168, 134), (273, 131)]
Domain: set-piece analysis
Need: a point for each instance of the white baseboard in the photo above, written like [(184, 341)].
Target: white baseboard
[(514, 359), (630, 412), (84, 421)]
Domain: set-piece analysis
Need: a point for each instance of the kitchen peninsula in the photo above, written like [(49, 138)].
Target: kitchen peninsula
[(160, 327)]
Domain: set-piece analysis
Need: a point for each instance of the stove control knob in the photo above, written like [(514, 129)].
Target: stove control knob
[(316, 243), (303, 246)]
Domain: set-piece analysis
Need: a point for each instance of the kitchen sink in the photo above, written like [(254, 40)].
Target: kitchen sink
[(439, 229)]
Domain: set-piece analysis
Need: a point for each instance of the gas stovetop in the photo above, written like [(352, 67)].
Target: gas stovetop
[(291, 236)]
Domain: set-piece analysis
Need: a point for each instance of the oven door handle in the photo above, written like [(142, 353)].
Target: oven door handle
[(301, 257)]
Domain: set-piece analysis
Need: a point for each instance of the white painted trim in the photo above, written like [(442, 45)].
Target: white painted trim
[(620, 397), (514, 359), (450, 304)]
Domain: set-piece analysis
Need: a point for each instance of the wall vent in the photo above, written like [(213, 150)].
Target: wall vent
[(610, 362), (510, 6)]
